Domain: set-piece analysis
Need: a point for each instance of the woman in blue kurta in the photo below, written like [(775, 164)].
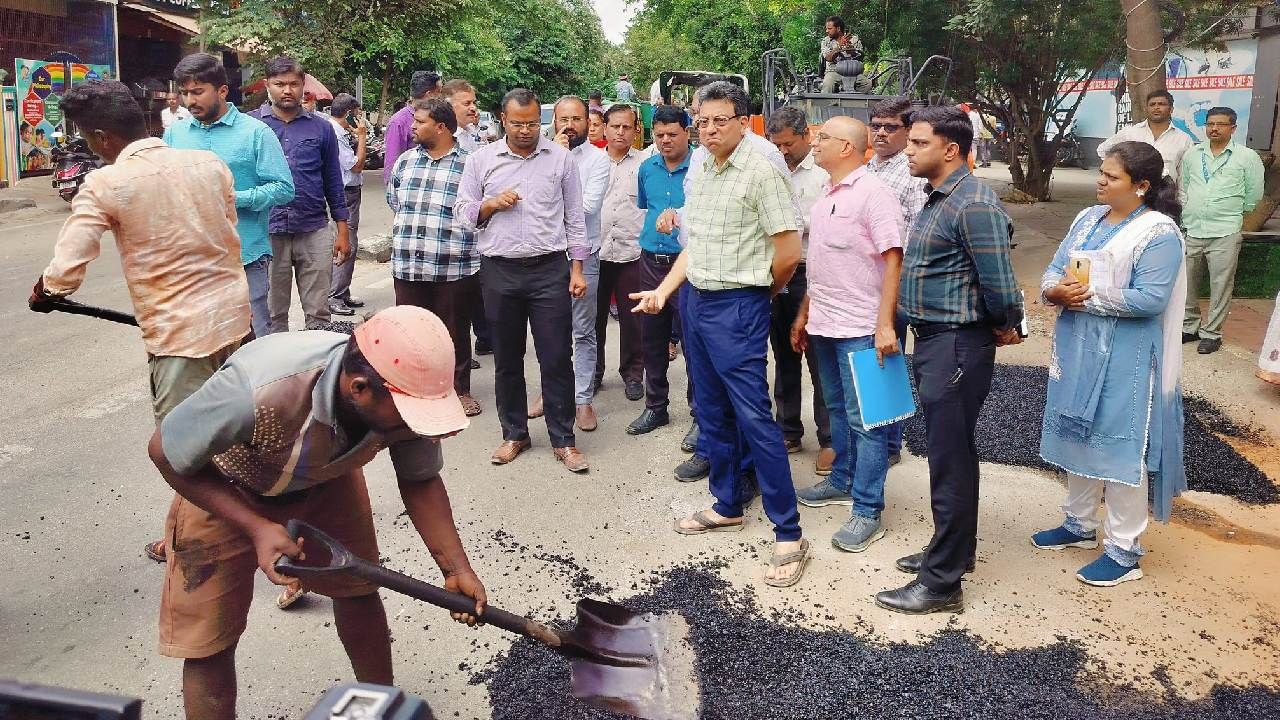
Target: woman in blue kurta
[(1113, 415)]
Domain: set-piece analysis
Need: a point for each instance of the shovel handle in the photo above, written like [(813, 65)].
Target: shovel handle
[(67, 305), (454, 602)]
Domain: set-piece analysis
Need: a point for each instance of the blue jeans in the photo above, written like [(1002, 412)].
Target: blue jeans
[(862, 455), (726, 342), (258, 274)]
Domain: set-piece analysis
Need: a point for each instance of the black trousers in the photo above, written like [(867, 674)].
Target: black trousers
[(620, 279), (480, 323), (453, 303), (787, 366), (655, 331), (953, 375), (523, 295)]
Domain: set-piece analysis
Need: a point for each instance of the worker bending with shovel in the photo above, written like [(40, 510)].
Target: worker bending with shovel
[(281, 432)]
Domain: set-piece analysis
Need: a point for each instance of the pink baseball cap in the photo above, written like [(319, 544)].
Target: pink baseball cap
[(411, 349)]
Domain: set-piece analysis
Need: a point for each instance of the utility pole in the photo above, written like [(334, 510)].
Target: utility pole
[(1145, 52)]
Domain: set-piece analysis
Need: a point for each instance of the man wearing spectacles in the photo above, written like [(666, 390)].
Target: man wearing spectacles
[(788, 129), (1221, 181), (890, 122), (744, 245), (523, 199)]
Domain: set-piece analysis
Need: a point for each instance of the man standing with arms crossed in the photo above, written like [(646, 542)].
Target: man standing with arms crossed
[(257, 163), (302, 243), (1221, 181), (523, 199), (1157, 131), (789, 130), (744, 244), (434, 263), (660, 187), (961, 298), (173, 215), (620, 223)]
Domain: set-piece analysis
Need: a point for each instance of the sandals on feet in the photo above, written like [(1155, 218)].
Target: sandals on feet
[(800, 556), (155, 550), (707, 525)]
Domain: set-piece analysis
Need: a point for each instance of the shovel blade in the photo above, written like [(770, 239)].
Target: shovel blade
[(666, 689)]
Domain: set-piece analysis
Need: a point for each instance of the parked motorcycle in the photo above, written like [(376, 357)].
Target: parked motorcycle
[(72, 162)]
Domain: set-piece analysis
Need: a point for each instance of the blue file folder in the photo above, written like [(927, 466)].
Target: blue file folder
[(884, 393)]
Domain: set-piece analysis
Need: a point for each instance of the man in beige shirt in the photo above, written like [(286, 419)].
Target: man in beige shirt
[(173, 215)]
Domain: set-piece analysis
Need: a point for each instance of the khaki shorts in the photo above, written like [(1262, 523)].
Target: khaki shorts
[(174, 378), (211, 565)]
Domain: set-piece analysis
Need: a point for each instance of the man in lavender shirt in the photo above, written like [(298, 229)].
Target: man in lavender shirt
[(423, 84), (855, 259), (523, 199)]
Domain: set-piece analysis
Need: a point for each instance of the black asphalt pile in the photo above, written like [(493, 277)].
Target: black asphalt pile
[(757, 664), (1009, 434)]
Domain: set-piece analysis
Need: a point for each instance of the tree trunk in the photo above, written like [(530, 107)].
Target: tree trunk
[(1144, 61), (386, 85)]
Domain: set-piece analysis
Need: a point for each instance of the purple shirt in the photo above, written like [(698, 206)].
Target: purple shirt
[(399, 138), (851, 226), (549, 216), (311, 147)]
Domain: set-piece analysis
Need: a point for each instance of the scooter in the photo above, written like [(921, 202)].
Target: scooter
[(72, 161)]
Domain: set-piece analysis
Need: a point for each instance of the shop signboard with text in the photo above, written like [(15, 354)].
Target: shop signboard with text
[(40, 86), (1198, 81)]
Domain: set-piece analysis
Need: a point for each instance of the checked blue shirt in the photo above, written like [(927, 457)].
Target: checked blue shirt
[(957, 268), (427, 243)]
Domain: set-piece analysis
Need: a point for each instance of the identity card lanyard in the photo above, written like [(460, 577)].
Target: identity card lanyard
[(1110, 232)]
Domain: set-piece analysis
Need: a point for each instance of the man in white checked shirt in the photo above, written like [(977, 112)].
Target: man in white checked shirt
[(434, 261)]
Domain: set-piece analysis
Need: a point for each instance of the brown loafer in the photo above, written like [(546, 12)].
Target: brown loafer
[(535, 410), (826, 458), (587, 418), (509, 450), (470, 405), (572, 459)]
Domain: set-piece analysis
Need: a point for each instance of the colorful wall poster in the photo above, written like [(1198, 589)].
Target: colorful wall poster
[(40, 86), (1198, 81)]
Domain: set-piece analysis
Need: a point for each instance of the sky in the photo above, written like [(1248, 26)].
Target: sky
[(615, 15)]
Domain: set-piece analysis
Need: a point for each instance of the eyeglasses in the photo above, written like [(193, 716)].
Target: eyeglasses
[(887, 127), (524, 125), (1219, 124), (719, 121), (822, 137)]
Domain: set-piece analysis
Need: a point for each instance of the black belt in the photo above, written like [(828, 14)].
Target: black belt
[(660, 258), (526, 261), (927, 330)]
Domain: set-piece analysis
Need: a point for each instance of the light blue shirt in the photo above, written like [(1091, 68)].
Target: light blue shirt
[(258, 166)]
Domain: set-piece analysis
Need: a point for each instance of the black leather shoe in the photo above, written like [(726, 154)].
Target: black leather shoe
[(690, 441), (911, 564), (475, 364), (648, 421), (634, 391), (483, 348), (353, 301), (915, 598), (1189, 337), (337, 307), (1208, 346)]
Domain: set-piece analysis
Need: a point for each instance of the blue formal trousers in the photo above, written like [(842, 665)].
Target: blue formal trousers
[(726, 336)]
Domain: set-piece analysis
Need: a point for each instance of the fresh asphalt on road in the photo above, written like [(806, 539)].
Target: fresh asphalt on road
[(78, 605)]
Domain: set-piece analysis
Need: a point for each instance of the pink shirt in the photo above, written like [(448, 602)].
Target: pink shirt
[(851, 225)]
